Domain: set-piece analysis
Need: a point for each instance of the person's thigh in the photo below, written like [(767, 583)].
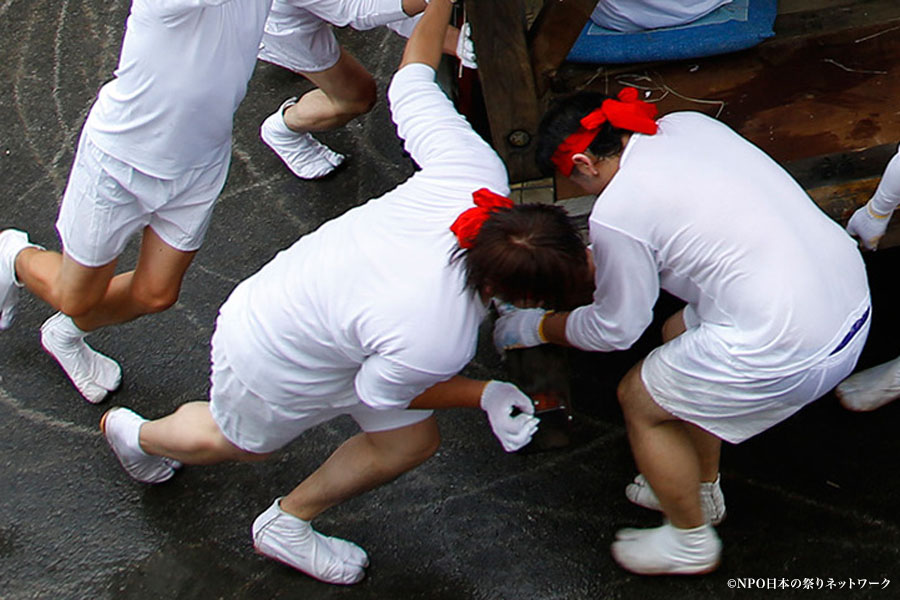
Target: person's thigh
[(183, 220), (248, 420), (101, 208), (298, 40)]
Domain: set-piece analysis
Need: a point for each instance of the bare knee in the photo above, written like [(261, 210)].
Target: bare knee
[(629, 389), (362, 101), (413, 446), (674, 326), (151, 301)]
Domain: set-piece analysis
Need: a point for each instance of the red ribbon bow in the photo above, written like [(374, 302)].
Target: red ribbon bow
[(468, 224), (628, 112)]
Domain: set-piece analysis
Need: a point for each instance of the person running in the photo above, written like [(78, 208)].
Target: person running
[(370, 316), (873, 388), (777, 302), (152, 157), (299, 37)]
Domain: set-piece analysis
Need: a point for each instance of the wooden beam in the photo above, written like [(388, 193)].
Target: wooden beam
[(504, 68), (552, 36)]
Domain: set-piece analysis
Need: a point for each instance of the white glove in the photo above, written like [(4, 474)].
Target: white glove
[(518, 328), (868, 226), (498, 400), (465, 48)]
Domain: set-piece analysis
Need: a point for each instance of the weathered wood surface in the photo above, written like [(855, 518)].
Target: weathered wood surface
[(507, 81), (552, 35)]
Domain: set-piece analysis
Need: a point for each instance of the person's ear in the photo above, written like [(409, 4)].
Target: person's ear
[(584, 164)]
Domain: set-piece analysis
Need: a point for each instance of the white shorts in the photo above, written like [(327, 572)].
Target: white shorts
[(107, 201), (298, 40), (736, 406), (255, 425)]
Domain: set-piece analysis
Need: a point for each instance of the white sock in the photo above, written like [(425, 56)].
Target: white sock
[(293, 541), (92, 373), (668, 550)]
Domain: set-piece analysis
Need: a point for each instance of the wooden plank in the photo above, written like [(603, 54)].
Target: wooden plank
[(797, 98), (552, 35), (504, 67)]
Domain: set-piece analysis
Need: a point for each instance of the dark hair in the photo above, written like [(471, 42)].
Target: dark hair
[(563, 119), (530, 252)]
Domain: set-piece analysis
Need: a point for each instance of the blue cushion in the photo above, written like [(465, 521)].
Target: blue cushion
[(735, 26)]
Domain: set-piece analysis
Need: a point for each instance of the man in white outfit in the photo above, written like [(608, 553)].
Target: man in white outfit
[(299, 37), (879, 385), (369, 316), (153, 157), (777, 302)]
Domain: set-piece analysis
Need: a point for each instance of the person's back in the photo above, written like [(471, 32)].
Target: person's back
[(378, 280), (183, 70), (735, 236)]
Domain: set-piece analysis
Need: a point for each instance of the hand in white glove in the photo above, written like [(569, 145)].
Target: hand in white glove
[(518, 328), (868, 226), (465, 48), (498, 400)]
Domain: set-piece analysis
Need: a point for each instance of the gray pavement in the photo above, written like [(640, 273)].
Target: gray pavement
[(812, 498)]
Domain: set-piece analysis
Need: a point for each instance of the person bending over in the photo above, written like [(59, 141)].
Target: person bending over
[(368, 316), (777, 302), (152, 157)]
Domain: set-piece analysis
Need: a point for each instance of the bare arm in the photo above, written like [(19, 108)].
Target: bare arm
[(456, 392), (426, 44)]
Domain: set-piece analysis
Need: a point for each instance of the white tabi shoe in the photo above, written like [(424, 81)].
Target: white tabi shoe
[(94, 374), (711, 498), (872, 388), (305, 156), (12, 241), (122, 429), (293, 541), (668, 550)]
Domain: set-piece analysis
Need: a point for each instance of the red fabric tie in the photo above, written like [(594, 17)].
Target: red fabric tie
[(628, 112), (468, 224)]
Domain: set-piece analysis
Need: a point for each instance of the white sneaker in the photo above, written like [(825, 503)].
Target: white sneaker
[(668, 550), (293, 541), (122, 428), (12, 241), (872, 388), (305, 156), (711, 498), (94, 374)]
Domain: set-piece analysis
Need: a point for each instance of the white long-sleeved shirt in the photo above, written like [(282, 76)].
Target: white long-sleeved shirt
[(702, 213), (369, 306), (182, 73)]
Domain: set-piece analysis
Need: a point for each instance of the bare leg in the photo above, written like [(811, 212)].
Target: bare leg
[(666, 455), (92, 296), (363, 462), (343, 92), (191, 436), (664, 452)]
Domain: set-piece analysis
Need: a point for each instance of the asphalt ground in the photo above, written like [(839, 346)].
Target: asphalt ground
[(811, 503)]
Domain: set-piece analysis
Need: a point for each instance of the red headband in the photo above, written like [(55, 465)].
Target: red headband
[(625, 113), (468, 224)]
